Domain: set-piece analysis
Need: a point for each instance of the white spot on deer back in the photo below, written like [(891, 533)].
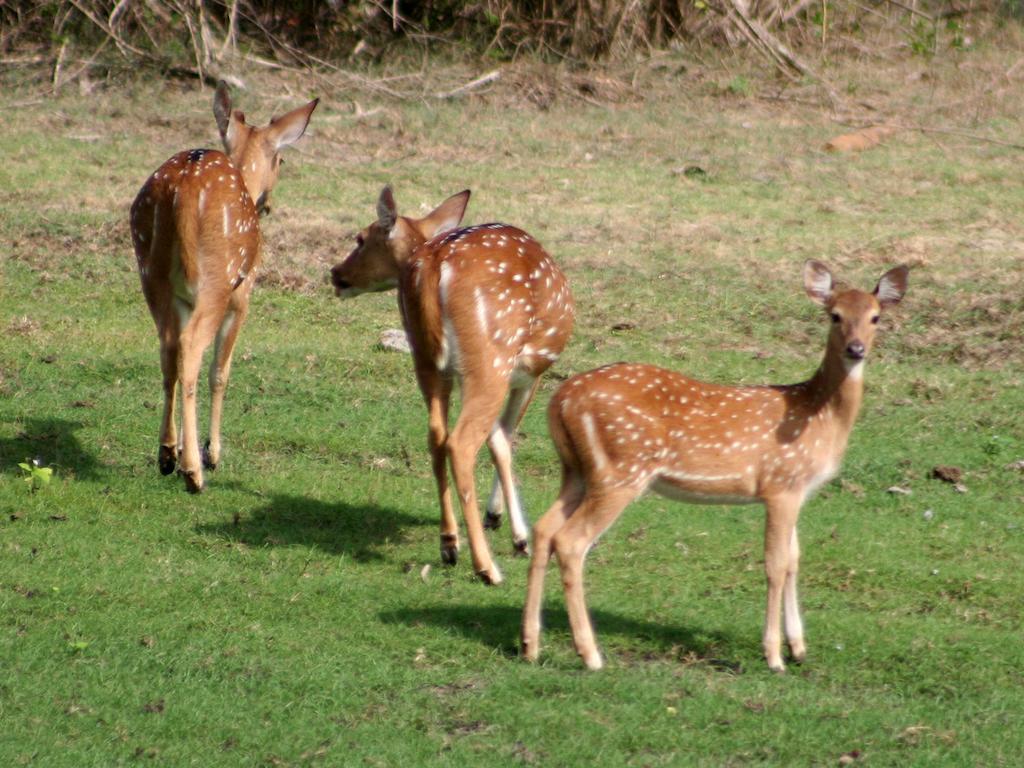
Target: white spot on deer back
[(481, 309), (449, 353)]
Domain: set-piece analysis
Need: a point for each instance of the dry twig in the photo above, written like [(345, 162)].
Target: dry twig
[(472, 85)]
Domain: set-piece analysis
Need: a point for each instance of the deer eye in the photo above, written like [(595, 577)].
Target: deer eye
[(874, 319), (835, 317), (359, 241)]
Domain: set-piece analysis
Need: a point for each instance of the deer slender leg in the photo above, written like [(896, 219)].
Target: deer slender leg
[(220, 370), (437, 391), (167, 456), (791, 605), (481, 404), (543, 532), (501, 444), (598, 510), (781, 514), (195, 338)]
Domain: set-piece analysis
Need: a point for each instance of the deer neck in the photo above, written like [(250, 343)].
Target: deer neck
[(252, 185), (837, 387), (405, 243), (251, 179)]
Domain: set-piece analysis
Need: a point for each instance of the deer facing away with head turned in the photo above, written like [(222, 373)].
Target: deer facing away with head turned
[(484, 305), (623, 429), (197, 241)]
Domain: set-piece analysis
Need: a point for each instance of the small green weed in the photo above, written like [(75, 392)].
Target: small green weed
[(740, 86), (923, 38), (35, 474)]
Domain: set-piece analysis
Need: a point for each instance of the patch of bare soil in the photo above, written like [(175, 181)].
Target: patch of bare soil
[(975, 331), (82, 253), (299, 252), (542, 86), (965, 305)]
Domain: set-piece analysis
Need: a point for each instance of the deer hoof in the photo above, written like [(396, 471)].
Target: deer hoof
[(490, 576), (592, 660), (492, 520), (797, 650), (167, 459), (529, 651), (208, 462), (449, 549), (191, 484), (521, 548)]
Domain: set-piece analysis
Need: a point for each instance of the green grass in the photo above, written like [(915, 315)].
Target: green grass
[(281, 618)]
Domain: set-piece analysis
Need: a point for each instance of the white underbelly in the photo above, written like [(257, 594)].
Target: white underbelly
[(822, 477), (672, 491)]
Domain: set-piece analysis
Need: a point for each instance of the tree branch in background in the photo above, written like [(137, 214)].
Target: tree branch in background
[(787, 61)]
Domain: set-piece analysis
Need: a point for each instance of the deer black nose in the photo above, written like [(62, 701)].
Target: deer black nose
[(337, 280), (855, 350), (263, 205)]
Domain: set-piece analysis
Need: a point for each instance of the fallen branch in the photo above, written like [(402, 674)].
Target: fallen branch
[(119, 41), (24, 60), (190, 73), (472, 85), (945, 132), (961, 134), (115, 15), (59, 65), (787, 61), (83, 65), (232, 33), (911, 10), (795, 10)]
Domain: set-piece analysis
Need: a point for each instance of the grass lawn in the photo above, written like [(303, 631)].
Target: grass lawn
[(296, 613)]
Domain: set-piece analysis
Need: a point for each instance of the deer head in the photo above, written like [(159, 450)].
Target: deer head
[(854, 313), (256, 152), (384, 246)]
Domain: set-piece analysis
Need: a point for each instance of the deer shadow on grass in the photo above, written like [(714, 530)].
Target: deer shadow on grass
[(336, 527), (54, 443), (498, 627)]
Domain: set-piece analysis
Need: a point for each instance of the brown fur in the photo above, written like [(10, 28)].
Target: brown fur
[(195, 229), (623, 429), (482, 305)]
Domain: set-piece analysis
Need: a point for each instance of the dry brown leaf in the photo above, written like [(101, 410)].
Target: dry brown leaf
[(948, 473), (913, 733), (859, 140)]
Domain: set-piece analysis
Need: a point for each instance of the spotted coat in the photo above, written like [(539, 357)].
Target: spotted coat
[(201, 196), (487, 295), (650, 428)]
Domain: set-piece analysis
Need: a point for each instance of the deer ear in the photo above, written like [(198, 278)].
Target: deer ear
[(288, 128), (222, 107), (818, 282), (892, 286), (229, 122), (448, 215), (387, 211)]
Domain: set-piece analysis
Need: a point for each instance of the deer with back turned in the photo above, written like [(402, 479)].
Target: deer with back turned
[(196, 232), (482, 305), (624, 429)]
